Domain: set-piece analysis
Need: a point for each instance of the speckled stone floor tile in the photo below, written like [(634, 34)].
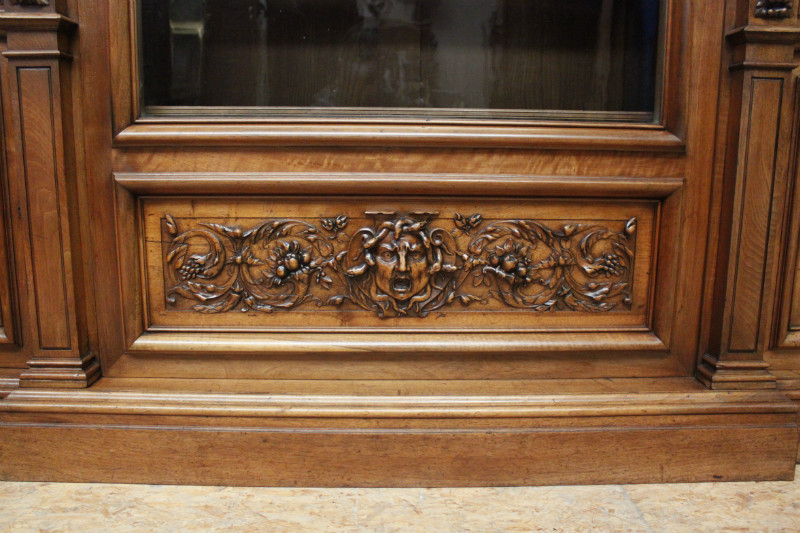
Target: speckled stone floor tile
[(86, 508), (700, 507)]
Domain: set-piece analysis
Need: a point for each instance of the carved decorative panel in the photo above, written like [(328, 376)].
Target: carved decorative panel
[(277, 263)]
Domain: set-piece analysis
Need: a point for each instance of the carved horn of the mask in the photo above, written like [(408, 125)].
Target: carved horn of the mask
[(358, 258), (443, 246)]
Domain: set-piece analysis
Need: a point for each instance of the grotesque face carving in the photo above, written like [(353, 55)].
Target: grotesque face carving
[(401, 265)]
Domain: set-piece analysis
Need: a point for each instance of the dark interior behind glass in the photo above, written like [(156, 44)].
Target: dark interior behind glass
[(560, 55)]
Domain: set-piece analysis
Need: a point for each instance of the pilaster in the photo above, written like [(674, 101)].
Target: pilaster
[(43, 195), (755, 185)]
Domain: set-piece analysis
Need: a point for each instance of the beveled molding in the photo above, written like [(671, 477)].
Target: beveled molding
[(18, 21), (395, 184), (691, 401), (350, 134), (683, 435)]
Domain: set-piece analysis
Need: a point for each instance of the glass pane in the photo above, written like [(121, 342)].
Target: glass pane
[(569, 55)]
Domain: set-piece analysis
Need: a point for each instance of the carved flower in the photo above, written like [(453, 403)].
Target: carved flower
[(510, 260), (288, 259)]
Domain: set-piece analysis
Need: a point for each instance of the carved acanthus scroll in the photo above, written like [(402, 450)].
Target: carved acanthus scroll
[(402, 265)]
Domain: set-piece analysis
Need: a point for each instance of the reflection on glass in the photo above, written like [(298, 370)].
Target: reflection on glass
[(590, 55)]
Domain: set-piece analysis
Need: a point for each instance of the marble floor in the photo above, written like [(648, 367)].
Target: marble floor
[(84, 508)]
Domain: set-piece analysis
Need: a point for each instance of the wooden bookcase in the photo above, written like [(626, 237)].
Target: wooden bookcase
[(387, 299)]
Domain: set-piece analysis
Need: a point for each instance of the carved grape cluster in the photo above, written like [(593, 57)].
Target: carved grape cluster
[(611, 264), (193, 267)]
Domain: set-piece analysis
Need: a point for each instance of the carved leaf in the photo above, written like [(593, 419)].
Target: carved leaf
[(630, 227), (336, 300), (172, 228), (228, 231), (178, 252)]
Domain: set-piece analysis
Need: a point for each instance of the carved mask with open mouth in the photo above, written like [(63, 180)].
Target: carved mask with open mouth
[(401, 266)]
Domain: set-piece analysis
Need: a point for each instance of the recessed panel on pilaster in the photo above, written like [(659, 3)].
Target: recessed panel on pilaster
[(44, 215)]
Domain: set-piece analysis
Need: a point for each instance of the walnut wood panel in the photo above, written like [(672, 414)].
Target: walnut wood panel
[(787, 324), (13, 352), (784, 357), (218, 161), (44, 208), (680, 178), (9, 314), (408, 264), (756, 197)]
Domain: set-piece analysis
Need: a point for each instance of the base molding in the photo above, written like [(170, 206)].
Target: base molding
[(734, 375), (373, 441), (65, 373)]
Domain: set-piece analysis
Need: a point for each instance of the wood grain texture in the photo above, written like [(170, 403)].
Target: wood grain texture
[(392, 184), (784, 355), (9, 310), (788, 322), (758, 177), (599, 138), (383, 356), (47, 249)]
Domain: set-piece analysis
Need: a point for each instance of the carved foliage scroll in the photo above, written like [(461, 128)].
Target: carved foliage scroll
[(401, 265)]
